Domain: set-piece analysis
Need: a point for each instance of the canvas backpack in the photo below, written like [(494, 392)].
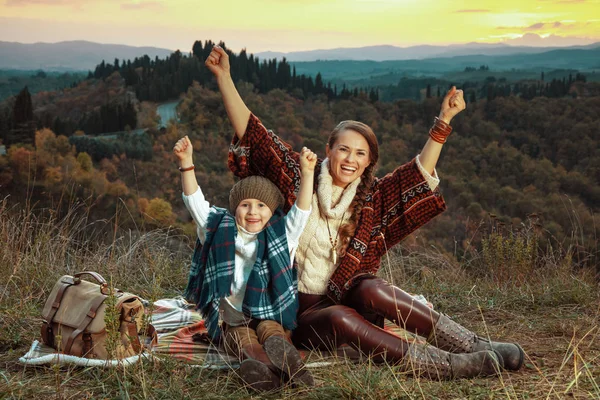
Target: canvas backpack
[(74, 319)]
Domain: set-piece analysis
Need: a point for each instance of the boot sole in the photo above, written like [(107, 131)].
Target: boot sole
[(286, 358), (521, 360), (258, 376)]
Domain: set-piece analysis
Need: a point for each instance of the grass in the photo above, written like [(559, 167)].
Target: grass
[(553, 311)]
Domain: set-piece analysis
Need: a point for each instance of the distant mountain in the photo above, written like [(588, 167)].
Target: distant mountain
[(76, 55), (388, 53), (582, 59)]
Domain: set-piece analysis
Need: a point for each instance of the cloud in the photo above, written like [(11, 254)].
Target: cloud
[(125, 5), (17, 3), (564, 1), (535, 27), (473, 11), (142, 5), (533, 39), (547, 26)]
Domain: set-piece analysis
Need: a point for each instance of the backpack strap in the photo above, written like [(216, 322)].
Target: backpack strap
[(47, 333), (86, 321)]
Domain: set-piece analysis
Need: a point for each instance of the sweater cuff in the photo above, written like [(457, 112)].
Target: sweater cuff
[(432, 181)]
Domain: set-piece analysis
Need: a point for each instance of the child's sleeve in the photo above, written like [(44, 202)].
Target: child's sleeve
[(295, 222), (199, 208)]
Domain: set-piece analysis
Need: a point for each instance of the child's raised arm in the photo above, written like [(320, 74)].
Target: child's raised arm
[(183, 150), (308, 160)]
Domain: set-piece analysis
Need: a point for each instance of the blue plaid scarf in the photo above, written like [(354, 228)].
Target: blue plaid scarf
[(272, 289)]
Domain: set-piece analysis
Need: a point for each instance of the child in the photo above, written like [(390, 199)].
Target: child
[(242, 270)]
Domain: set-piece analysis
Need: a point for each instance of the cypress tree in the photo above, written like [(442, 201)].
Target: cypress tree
[(197, 49), (23, 130)]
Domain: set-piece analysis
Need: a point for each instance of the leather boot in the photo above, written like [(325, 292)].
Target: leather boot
[(256, 369), (430, 362), (453, 337), (285, 357), (282, 353)]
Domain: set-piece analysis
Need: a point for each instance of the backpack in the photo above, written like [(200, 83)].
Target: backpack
[(74, 319)]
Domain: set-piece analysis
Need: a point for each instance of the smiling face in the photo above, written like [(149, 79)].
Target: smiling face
[(348, 157), (252, 215)]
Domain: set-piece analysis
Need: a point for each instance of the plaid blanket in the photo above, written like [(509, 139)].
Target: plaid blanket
[(181, 331)]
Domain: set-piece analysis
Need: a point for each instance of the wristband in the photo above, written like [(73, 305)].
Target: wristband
[(440, 131), (186, 169)]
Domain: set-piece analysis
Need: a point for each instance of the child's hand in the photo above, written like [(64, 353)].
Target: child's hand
[(308, 160), (183, 149)]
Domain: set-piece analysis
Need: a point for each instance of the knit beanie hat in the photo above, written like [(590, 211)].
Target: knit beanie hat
[(255, 187)]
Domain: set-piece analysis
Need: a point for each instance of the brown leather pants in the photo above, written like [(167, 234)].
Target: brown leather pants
[(358, 321)]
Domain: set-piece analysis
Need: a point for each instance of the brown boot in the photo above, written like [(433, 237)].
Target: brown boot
[(430, 362), (453, 337), (285, 357), (256, 369)]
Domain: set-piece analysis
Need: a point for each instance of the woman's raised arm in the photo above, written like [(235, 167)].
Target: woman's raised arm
[(218, 63), (452, 104)]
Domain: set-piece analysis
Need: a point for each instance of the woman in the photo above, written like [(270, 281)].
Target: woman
[(355, 219)]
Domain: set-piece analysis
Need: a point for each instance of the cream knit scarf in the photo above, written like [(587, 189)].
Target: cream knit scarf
[(325, 194), (314, 256)]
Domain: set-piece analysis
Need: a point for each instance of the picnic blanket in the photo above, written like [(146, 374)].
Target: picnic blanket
[(181, 332)]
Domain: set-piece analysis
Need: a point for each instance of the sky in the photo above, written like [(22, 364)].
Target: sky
[(295, 25)]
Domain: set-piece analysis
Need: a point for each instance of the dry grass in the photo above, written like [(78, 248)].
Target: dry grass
[(554, 314)]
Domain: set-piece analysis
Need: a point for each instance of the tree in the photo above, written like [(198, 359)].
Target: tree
[(159, 212), (85, 161), (23, 130), (472, 97)]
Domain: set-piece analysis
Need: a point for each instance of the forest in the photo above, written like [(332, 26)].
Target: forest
[(523, 158)]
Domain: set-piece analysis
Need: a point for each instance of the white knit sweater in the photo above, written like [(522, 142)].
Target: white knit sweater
[(329, 205)]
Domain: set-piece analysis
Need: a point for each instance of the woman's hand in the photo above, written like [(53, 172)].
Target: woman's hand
[(184, 150), (308, 161), (218, 62), (452, 104)]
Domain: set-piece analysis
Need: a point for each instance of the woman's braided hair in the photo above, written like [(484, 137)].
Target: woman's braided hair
[(347, 230)]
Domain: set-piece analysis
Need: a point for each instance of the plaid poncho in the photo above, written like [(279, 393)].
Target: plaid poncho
[(272, 289)]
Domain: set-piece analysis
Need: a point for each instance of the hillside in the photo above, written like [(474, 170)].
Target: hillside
[(519, 150), (576, 59), (78, 55), (387, 52)]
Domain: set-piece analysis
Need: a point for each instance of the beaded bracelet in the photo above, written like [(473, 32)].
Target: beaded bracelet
[(440, 131)]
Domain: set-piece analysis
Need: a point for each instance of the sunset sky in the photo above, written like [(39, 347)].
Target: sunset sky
[(291, 25)]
